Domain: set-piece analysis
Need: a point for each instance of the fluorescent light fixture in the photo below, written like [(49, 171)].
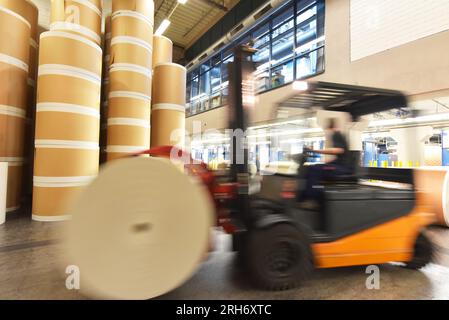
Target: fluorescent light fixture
[(300, 86), (423, 119), (163, 27), (182, 1)]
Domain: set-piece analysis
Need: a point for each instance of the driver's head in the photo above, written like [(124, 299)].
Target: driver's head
[(332, 124)]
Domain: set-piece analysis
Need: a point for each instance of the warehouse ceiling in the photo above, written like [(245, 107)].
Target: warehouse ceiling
[(191, 20)]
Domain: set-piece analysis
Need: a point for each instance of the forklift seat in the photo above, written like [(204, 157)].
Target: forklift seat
[(349, 179)]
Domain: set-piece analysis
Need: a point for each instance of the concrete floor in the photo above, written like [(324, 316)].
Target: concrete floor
[(29, 269)]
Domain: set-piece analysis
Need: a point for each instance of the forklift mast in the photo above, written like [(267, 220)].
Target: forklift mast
[(240, 89)]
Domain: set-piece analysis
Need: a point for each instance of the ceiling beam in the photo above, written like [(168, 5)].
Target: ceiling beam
[(212, 3)]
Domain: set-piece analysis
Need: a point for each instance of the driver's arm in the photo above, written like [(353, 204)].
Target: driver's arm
[(331, 151)]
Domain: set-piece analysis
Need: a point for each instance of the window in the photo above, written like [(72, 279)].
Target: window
[(290, 45), (282, 74)]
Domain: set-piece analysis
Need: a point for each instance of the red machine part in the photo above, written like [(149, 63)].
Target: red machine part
[(221, 194)]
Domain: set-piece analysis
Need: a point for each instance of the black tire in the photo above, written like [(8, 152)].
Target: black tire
[(423, 253), (278, 257)]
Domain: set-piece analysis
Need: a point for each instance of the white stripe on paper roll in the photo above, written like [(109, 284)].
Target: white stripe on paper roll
[(128, 122), (116, 67), (132, 14), (132, 40), (14, 62), (168, 106), (67, 107), (50, 218), (72, 36), (62, 182), (68, 26), (129, 94), (66, 144), (12, 159), (12, 111), (65, 70)]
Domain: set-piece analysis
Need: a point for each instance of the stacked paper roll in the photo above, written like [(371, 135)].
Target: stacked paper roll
[(130, 78), (15, 32), (433, 182), (82, 17), (168, 110), (105, 89), (67, 122), (163, 50)]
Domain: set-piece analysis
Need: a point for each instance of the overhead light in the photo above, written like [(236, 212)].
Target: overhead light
[(182, 1), (300, 86), (163, 27)]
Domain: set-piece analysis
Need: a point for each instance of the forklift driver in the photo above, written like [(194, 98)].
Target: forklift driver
[(312, 195)]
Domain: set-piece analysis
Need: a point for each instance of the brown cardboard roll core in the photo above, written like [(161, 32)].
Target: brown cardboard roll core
[(27, 10), (126, 107), (14, 86), (12, 135), (52, 204), (126, 135)]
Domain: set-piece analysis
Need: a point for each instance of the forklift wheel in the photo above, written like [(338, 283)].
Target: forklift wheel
[(423, 253), (278, 257)]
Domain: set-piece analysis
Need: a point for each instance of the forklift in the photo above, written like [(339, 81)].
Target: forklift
[(279, 244)]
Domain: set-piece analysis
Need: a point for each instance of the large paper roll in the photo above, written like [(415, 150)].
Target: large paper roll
[(162, 50), (128, 77), (14, 193), (53, 162), (126, 226), (64, 48), (15, 32), (25, 9), (135, 134), (52, 203), (53, 86), (169, 81), (168, 109), (132, 24), (78, 16), (126, 105), (13, 88), (434, 183), (144, 7), (12, 134), (131, 50)]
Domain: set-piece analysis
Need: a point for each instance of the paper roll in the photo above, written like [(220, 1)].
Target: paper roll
[(12, 135), (15, 32), (169, 81), (33, 63), (122, 135), (126, 107), (130, 78), (25, 9), (14, 193), (65, 162), (13, 88), (52, 204), (168, 128), (3, 188), (144, 7), (132, 24), (162, 50), (67, 125), (434, 183), (54, 88), (63, 48), (126, 226), (75, 16), (131, 50)]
